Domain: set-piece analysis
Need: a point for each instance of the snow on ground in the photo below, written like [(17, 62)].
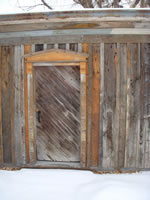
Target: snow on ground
[(53, 184)]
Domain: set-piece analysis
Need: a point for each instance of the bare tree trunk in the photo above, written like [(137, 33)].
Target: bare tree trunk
[(116, 4)]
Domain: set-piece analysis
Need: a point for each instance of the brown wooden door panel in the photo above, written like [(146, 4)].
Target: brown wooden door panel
[(58, 118)]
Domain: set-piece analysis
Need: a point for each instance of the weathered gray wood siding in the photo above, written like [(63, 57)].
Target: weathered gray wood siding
[(118, 102), (124, 113)]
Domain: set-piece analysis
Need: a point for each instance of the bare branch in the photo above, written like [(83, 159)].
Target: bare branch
[(99, 3), (85, 3), (135, 4), (45, 4)]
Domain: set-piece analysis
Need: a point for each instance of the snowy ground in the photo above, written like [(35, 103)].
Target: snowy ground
[(49, 184)]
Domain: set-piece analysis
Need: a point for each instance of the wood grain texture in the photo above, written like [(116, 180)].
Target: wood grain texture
[(122, 64), (8, 104), (90, 78), (101, 105), (27, 49), (147, 104), (19, 105), (58, 100), (54, 55), (133, 102), (76, 39), (83, 107), (31, 117), (109, 106), (85, 50), (95, 105), (1, 134)]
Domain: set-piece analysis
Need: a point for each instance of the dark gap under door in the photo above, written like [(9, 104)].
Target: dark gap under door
[(57, 90)]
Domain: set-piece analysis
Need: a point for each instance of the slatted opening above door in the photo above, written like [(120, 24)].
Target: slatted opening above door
[(57, 99)]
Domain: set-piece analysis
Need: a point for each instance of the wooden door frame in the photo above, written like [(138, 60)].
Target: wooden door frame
[(55, 57)]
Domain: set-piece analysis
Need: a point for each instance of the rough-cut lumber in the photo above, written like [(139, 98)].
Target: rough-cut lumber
[(27, 49), (58, 91), (146, 125), (95, 105), (109, 106), (133, 102), (8, 104), (101, 104), (122, 65), (75, 39), (19, 105), (83, 107)]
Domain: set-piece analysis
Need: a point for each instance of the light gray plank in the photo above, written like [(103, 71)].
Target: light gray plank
[(44, 33), (133, 102), (19, 105), (122, 103)]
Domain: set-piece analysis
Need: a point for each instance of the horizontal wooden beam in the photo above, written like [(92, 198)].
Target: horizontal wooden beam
[(76, 39), (79, 13), (46, 33)]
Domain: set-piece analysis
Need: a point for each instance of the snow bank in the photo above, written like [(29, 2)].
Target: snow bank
[(49, 184)]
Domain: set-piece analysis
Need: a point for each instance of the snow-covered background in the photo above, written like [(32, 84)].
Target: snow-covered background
[(53, 184)]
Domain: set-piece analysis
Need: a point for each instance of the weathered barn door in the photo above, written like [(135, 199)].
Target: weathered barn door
[(57, 90), (56, 106)]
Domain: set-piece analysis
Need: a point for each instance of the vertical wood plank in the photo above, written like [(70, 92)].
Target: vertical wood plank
[(67, 46), (141, 142), (31, 119), (32, 48), (79, 47), (95, 106), (101, 104), (90, 77), (56, 46), (45, 46), (109, 106), (116, 125), (133, 102), (85, 50), (1, 135), (8, 104), (122, 104), (83, 72), (19, 106), (27, 49), (147, 104)]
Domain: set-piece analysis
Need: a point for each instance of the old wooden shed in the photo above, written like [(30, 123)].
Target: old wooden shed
[(75, 89)]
